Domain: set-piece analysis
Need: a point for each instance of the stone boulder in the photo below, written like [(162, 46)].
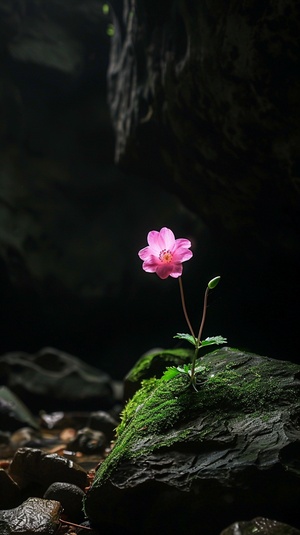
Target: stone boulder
[(196, 461), (54, 380)]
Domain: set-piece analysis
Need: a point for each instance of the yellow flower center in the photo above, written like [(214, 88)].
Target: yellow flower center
[(165, 256)]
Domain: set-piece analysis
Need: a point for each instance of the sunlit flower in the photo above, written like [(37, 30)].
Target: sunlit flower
[(164, 255)]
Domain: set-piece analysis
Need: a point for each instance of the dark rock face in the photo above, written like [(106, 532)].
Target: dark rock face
[(184, 460), (69, 231), (204, 100), (36, 377), (203, 103), (206, 96)]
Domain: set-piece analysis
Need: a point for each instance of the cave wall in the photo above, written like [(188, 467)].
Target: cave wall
[(204, 98), (70, 222), (196, 129)]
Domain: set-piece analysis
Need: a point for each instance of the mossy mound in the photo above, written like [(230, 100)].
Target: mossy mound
[(238, 432), (153, 364)]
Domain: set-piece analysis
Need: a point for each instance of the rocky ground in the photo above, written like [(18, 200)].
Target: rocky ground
[(49, 459)]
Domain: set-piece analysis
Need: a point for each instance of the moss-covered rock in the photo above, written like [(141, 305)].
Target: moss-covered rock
[(153, 364), (231, 447)]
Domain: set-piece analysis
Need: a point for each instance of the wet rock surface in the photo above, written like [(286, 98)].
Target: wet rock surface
[(226, 451)]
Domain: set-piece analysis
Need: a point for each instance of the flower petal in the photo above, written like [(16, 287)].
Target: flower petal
[(164, 270), (166, 238), (153, 239), (176, 271), (145, 253), (149, 266), (182, 255), (182, 242)]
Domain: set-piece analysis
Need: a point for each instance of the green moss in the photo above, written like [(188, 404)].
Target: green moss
[(154, 363), (232, 384)]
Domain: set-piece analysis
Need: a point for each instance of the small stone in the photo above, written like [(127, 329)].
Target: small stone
[(103, 421), (70, 497), (88, 441), (35, 515), (32, 466)]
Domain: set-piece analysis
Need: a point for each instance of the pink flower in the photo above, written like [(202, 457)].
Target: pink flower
[(164, 255)]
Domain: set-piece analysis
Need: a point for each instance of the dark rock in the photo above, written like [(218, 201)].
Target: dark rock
[(103, 421), (260, 526), (70, 497), (61, 420), (30, 438), (88, 441), (229, 450), (33, 516), (32, 468), (53, 379), (10, 491), (13, 413)]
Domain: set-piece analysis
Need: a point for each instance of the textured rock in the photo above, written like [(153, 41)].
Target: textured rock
[(31, 467), (260, 526), (204, 98), (33, 516), (36, 377), (208, 457), (69, 496)]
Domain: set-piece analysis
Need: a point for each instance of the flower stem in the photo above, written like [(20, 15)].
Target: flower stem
[(203, 315), (198, 341), (184, 309)]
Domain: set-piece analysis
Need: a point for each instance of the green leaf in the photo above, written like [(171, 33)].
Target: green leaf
[(170, 373), (188, 337), (213, 340), (184, 369)]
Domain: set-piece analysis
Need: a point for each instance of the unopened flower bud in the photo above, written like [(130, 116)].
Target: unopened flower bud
[(213, 283)]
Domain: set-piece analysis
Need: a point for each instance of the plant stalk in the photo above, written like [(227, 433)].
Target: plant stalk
[(184, 309), (198, 341)]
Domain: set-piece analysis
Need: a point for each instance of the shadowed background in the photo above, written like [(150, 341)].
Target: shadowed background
[(119, 118)]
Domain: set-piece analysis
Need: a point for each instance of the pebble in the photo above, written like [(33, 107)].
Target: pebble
[(70, 497), (88, 441), (103, 421)]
